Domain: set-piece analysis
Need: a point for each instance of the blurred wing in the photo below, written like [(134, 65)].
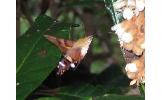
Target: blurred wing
[(62, 44), (80, 48)]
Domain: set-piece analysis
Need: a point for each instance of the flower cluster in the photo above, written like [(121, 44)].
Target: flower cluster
[(129, 8), (131, 35)]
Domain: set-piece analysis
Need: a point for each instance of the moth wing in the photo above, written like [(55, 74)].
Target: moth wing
[(62, 44), (80, 48), (83, 43), (74, 54)]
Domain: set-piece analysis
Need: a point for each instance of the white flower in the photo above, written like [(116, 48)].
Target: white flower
[(140, 5), (131, 67), (127, 37), (127, 13), (143, 45), (131, 3)]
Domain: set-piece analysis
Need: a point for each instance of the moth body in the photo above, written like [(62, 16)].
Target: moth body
[(74, 51)]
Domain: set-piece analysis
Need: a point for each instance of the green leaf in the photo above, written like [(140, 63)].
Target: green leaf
[(119, 97), (64, 98), (142, 89), (49, 98), (105, 97), (110, 8), (110, 81), (82, 91), (36, 56), (116, 17)]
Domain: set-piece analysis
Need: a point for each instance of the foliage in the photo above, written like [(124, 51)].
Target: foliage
[(36, 57)]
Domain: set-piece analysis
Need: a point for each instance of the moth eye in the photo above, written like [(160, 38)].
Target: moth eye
[(72, 65)]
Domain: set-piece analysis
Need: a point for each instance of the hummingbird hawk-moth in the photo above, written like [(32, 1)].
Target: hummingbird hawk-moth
[(73, 51)]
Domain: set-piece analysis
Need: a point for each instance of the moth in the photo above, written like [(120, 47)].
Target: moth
[(73, 51)]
